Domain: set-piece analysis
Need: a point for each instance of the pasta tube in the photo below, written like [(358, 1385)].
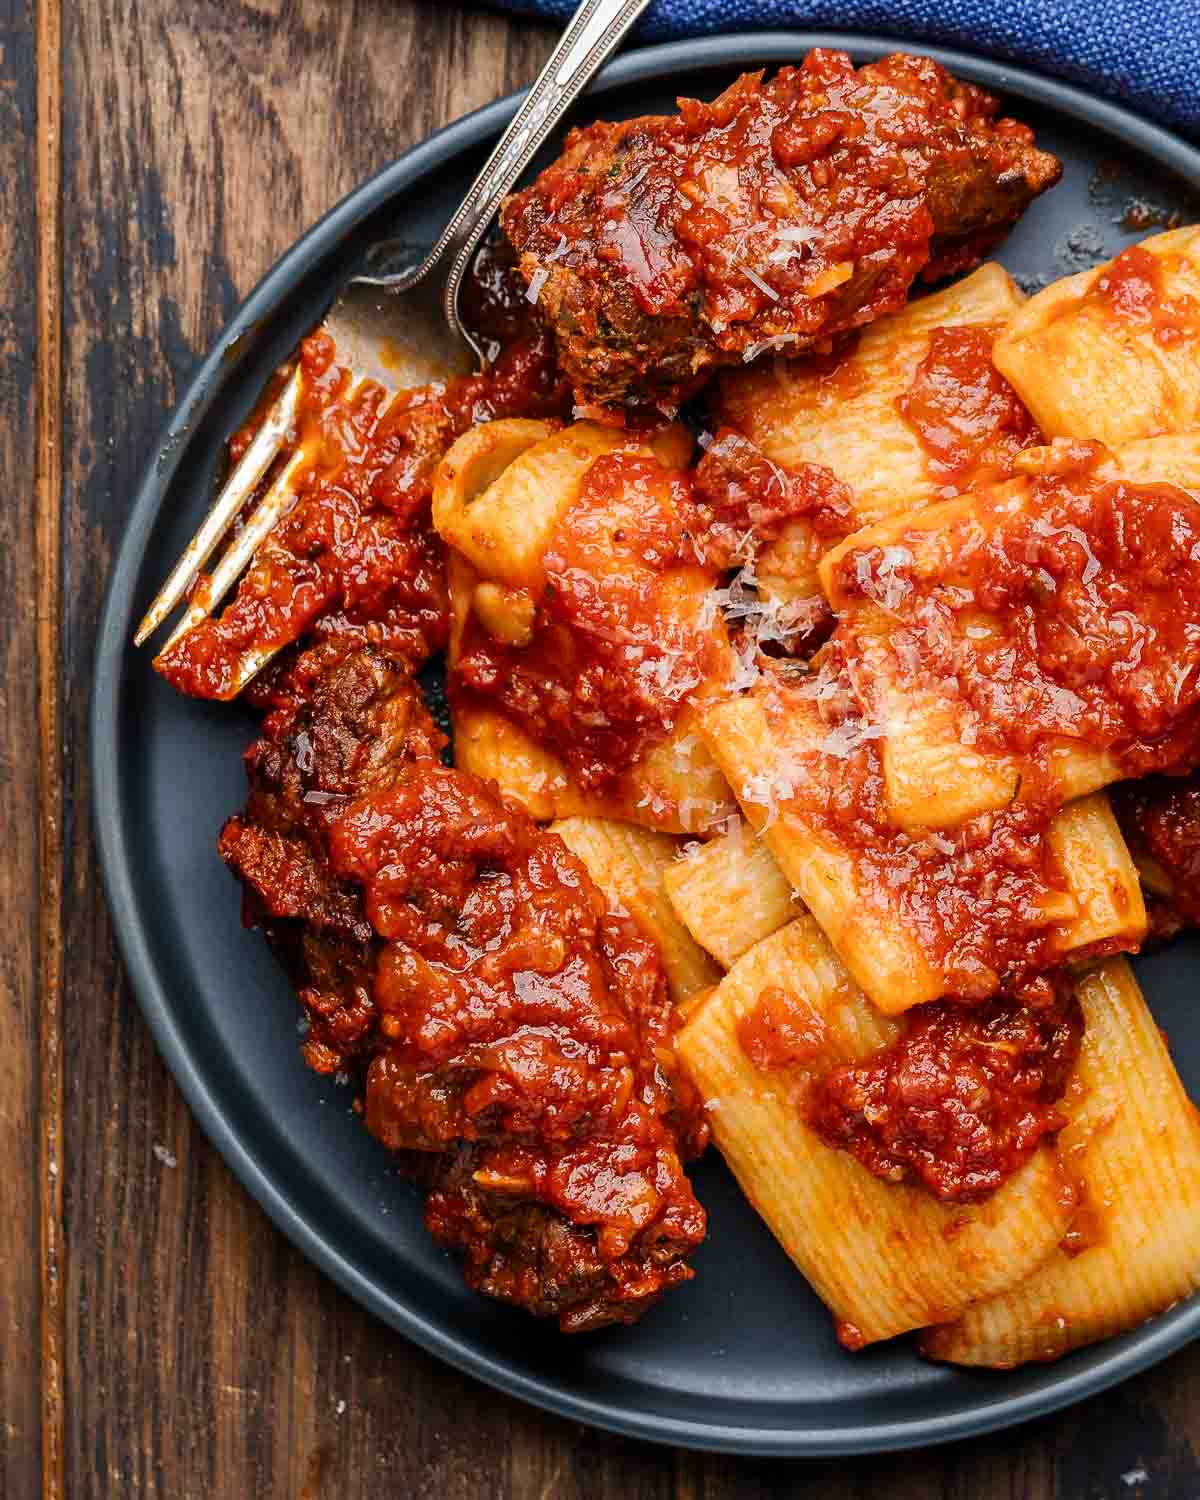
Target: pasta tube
[(882, 577), (502, 486), (895, 949), (730, 893), (1113, 353), (885, 1258), (630, 865), (847, 418), (1133, 1141)]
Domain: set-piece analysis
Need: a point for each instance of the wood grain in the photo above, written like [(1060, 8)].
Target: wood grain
[(201, 1356), (20, 1292), (48, 926)]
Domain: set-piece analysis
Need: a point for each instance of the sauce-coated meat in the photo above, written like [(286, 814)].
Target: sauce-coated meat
[(519, 1014), (778, 216), (513, 1032), (340, 721)]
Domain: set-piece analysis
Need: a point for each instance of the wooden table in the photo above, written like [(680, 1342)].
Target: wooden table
[(158, 1337)]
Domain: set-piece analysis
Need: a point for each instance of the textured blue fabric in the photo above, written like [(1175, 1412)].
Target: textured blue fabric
[(1144, 53)]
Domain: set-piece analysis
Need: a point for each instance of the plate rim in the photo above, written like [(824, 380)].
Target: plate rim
[(114, 662)]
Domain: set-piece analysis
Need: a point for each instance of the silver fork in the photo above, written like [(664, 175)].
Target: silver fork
[(399, 330)]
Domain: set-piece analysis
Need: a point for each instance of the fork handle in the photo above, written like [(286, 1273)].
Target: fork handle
[(594, 32)]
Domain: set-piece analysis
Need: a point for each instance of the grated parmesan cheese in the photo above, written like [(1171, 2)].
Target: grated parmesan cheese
[(751, 275), (776, 341), (882, 583), (536, 282), (730, 825), (845, 738), (768, 789)]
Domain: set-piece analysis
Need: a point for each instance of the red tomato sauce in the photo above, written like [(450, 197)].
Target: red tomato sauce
[(357, 556), (744, 500), (960, 1103), (516, 1010), (612, 660), (1091, 593), (1133, 290), (782, 1030), (1160, 818), (968, 419)]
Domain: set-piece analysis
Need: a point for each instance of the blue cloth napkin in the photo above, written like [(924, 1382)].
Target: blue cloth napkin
[(1144, 53)]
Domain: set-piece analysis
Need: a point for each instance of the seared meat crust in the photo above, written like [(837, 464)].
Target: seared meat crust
[(342, 720), (780, 215)]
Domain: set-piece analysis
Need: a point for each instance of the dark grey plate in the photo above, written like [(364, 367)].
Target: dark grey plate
[(744, 1358)]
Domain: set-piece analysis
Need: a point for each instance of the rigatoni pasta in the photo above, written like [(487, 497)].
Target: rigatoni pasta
[(1112, 353), (730, 893), (892, 581), (851, 414), (632, 865), (675, 788), (1132, 1145), (674, 785), (924, 832), (844, 413), (902, 950), (885, 1258), (503, 486)]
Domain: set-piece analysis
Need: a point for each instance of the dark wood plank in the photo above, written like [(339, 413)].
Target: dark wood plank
[(203, 1356), (21, 675)]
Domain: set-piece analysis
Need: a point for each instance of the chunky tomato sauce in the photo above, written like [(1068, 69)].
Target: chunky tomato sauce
[(969, 420), (516, 1010), (974, 898), (960, 1103), (1160, 818), (357, 556), (1070, 610), (744, 500), (617, 647), (1133, 291), (782, 1030)]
